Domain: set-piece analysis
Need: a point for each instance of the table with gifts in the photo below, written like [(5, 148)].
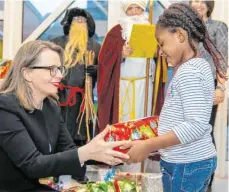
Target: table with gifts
[(119, 182), (110, 179)]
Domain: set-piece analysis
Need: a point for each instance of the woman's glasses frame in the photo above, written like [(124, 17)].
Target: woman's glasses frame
[(53, 69)]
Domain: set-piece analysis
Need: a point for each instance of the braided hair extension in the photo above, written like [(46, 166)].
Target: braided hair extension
[(184, 16)]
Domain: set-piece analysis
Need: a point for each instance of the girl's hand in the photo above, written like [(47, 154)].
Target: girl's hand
[(99, 150), (139, 151)]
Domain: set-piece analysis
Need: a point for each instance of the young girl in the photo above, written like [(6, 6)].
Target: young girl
[(188, 156)]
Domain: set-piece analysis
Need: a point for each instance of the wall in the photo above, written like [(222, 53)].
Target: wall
[(221, 11)]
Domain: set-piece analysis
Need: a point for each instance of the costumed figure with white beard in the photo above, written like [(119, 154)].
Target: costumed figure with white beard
[(122, 80), (79, 29)]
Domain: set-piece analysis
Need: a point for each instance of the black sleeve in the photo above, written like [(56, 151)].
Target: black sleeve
[(20, 148), (97, 50), (65, 141)]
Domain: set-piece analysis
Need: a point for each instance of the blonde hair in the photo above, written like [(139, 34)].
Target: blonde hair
[(27, 56), (77, 45)]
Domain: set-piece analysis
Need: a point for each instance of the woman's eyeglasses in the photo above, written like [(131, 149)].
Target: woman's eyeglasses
[(53, 69)]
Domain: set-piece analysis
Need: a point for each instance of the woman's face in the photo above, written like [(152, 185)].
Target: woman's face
[(45, 76), (200, 7)]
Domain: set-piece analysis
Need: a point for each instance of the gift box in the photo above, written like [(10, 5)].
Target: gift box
[(129, 176), (149, 182), (4, 67), (112, 186), (139, 129)]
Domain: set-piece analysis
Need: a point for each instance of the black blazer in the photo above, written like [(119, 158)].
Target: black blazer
[(33, 145)]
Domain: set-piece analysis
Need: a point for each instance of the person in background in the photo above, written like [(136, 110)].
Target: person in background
[(188, 155), (34, 142), (218, 32), (79, 29), (122, 79)]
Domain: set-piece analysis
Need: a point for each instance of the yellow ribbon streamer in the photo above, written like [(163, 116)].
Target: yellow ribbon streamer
[(127, 98)]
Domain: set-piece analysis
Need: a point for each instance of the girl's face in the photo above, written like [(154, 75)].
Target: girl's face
[(200, 7), (171, 45)]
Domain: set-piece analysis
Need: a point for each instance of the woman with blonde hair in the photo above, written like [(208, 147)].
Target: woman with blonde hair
[(34, 142)]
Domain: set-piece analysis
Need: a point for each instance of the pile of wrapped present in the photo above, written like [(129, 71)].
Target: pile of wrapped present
[(99, 186), (117, 182)]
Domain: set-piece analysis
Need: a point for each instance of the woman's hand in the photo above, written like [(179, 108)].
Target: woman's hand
[(99, 150), (139, 151), (126, 51)]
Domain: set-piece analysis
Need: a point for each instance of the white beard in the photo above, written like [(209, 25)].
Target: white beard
[(128, 22)]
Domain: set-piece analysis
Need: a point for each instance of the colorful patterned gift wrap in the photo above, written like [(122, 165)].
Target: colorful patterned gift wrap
[(147, 182), (112, 186), (4, 67), (108, 186), (129, 176), (139, 129)]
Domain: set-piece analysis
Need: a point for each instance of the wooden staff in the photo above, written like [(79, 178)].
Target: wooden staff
[(147, 74)]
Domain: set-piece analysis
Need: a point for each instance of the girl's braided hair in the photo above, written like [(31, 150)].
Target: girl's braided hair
[(184, 16)]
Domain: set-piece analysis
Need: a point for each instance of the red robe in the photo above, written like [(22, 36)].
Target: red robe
[(109, 64)]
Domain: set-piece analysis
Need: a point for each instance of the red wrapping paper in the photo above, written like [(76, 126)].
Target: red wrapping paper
[(139, 129), (4, 67)]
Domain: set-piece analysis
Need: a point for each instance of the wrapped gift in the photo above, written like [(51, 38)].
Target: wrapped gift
[(112, 186), (139, 129), (63, 183), (76, 189), (129, 176), (4, 67)]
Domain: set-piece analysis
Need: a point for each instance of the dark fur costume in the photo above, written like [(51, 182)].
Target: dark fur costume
[(76, 75), (74, 12)]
